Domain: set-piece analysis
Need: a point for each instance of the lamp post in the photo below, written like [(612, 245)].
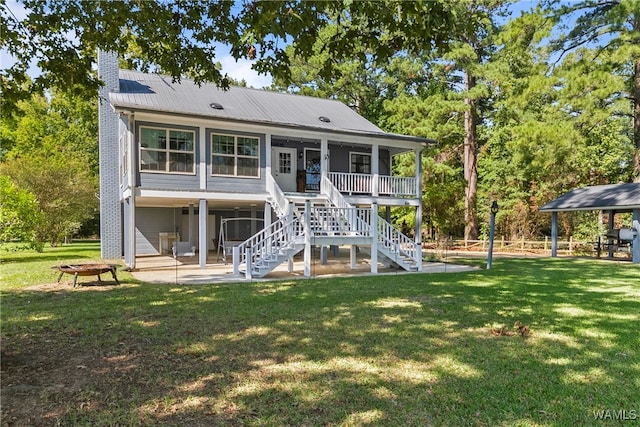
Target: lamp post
[(492, 226)]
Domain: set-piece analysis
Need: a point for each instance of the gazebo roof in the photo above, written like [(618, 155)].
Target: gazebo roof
[(614, 197)]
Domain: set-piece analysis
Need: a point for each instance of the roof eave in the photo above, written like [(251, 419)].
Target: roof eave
[(418, 140), (627, 208)]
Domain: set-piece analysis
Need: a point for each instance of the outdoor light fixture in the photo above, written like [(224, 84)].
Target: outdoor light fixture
[(492, 226)]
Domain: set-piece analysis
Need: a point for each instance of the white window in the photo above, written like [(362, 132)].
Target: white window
[(360, 163), (235, 155), (167, 150)]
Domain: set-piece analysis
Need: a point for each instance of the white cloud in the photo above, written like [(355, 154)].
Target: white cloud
[(241, 69)]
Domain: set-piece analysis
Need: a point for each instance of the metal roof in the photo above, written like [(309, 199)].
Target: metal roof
[(157, 93), (618, 197)]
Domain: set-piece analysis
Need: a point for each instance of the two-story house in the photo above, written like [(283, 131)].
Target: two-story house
[(259, 175)]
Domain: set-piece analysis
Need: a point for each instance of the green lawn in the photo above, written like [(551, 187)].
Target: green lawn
[(388, 350)]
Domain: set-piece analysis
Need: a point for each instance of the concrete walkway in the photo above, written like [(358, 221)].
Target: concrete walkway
[(164, 269)]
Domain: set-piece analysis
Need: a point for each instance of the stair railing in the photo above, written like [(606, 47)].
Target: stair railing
[(395, 241), (334, 221), (333, 194), (265, 244), (280, 201)]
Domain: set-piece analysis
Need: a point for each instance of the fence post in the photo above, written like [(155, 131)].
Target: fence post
[(570, 245), (546, 241)]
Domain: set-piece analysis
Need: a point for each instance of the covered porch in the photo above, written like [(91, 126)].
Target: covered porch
[(356, 166)]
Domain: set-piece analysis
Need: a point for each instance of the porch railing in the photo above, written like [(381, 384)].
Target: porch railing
[(362, 183), (396, 185)]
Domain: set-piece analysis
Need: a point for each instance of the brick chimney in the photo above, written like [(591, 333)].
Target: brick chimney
[(108, 123)]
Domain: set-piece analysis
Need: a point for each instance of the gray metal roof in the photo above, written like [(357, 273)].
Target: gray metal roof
[(618, 197), (154, 92)]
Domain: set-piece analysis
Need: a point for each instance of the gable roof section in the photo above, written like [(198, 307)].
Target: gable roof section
[(618, 197), (157, 93)]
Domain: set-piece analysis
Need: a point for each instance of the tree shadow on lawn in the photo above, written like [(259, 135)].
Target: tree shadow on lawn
[(392, 350)]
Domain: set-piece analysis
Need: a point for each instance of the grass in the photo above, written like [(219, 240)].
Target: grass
[(20, 268), (386, 350)]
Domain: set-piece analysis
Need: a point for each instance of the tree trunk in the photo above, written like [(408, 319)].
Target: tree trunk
[(636, 120), (636, 108), (470, 162)]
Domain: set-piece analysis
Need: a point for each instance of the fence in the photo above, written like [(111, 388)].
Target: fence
[(522, 246)]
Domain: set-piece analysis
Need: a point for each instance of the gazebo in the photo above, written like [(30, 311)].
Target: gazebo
[(610, 199)]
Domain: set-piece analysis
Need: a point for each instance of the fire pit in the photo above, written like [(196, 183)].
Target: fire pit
[(86, 270)]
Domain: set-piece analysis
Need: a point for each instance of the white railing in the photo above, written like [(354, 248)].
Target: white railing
[(397, 185), (352, 182), (281, 203), (395, 241), (361, 183), (333, 194), (266, 243), (340, 221)]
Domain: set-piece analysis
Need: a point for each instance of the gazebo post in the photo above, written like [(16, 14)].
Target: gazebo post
[(554, 234), (610, 225), (636, 238)]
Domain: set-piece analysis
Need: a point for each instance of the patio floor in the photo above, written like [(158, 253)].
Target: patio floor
[(165, 269)]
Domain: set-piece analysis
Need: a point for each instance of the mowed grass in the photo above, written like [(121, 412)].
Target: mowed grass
[(414, 349)]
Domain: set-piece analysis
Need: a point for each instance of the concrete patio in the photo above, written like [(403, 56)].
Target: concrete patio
[(185, 270)]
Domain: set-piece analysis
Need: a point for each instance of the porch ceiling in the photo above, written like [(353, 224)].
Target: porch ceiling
[(168, 202)]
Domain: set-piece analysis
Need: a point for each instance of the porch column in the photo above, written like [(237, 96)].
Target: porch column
[(267, 154), (418, 237), (192, 224), (203, 215), (267, 214), (352, 256), (130, 232), (307, 238), (202, 164), (636, 239), (375, 169), (324, 161), (419, 173), (374, 238), (253, 217), (554, 234)]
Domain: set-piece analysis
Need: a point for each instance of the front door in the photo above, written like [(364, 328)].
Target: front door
[(283, 167)]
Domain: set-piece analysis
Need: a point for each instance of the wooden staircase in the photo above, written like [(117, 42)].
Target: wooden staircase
[(322, 219)]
